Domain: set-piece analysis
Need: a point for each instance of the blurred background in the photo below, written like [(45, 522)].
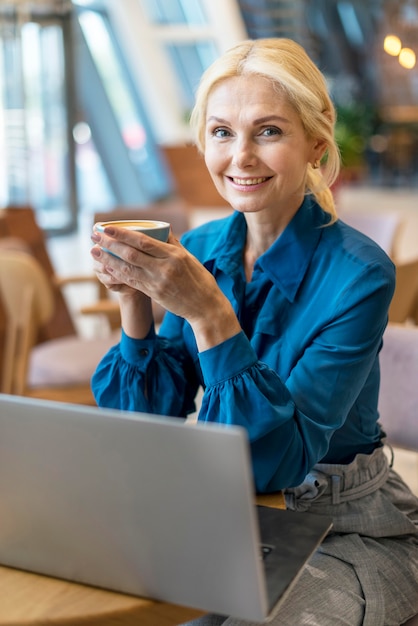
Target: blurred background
[(95, 95)]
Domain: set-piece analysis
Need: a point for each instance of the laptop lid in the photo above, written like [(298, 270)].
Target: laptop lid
[(141, 504)]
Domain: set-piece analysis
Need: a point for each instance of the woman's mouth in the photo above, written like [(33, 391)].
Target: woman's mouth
[(247, 182)]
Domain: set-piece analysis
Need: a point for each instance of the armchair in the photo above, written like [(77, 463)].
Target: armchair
[(59, 368)]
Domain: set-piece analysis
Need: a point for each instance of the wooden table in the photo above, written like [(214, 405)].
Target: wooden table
[(33, 600), (29, 599)]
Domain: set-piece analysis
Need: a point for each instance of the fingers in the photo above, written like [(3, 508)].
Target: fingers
[(142, 264), (99, 268)]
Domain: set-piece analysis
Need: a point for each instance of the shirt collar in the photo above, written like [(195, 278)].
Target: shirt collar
[(287, 260)]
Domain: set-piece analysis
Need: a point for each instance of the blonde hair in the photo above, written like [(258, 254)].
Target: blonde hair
[(286, 64)]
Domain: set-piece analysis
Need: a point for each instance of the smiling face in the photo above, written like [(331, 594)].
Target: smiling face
[(256, 149)]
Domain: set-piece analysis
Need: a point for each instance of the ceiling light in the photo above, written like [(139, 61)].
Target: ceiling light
[(392, 45), (407, 58)]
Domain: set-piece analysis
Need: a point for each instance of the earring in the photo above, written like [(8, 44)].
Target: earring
[(316, 164)]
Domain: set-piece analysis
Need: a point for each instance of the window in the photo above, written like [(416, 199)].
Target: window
[(175, 12), (189, 50), (35, 151), (115, 117), (189, 62)]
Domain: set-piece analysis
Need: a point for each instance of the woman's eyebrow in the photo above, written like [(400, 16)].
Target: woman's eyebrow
[(260, 120), (219, 120), (271, 118)]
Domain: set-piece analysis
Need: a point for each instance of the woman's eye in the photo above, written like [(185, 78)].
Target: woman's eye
[(271, 130), (221, 133)]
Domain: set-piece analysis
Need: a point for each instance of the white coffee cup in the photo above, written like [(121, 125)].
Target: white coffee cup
[(152, 228)]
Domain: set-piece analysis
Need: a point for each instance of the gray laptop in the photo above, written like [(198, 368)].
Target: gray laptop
[(145, 505)]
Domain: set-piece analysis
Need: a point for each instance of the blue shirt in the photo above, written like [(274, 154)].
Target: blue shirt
[(303, 374)]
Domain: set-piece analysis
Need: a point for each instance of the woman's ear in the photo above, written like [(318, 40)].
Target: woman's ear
[(318, 150)]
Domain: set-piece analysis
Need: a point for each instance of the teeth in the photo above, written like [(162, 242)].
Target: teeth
[(248, 181)]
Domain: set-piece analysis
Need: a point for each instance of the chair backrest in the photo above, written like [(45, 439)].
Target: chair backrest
[(192, 180), (28, 301), (19, 222), (398, 399), (404, 299), (383, 228)]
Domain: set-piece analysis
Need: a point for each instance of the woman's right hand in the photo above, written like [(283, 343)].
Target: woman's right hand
[(105, 277), (135, 306)]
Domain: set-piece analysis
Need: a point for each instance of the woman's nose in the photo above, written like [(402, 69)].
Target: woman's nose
[(244, 154)]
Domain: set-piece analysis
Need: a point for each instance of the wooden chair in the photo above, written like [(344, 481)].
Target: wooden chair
[(55, 369), (20, 230), (19, 223), (404, 305), (191, 177)]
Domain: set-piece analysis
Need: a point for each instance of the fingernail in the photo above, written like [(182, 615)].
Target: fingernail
[(109, 230), (95, 236), (96, 252)]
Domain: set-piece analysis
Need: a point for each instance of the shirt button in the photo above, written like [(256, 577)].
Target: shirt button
[(143, 352)]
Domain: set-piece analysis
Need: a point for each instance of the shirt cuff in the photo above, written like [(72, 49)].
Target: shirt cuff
[(138, 351), (228, 359)]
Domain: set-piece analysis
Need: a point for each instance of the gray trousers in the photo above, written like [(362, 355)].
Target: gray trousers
[(365, 572)]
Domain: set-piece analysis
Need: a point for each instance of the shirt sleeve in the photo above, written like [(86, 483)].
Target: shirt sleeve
[(148, 375)]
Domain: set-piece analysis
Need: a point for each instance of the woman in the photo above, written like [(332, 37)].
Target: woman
[(278, 311)]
